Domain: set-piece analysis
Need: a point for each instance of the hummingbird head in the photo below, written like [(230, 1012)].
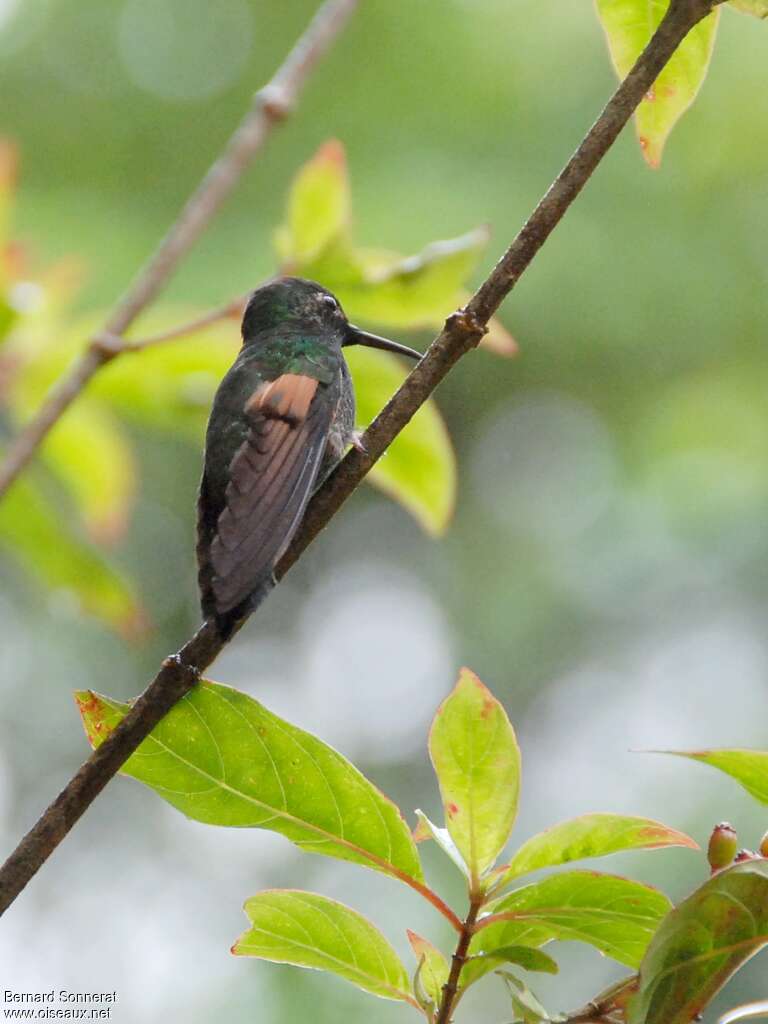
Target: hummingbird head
[(296, 305)]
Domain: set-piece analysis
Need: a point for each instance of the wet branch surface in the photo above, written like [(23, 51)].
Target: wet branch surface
[(462, 333)]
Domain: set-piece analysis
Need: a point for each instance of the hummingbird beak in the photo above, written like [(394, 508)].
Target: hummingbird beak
[(357, 337)]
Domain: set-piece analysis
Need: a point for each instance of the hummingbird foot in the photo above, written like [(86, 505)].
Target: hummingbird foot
[(356, 440)]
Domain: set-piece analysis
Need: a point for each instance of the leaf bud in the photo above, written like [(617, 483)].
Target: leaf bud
[(722, 846)]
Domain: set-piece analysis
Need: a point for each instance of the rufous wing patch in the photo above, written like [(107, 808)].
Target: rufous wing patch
[(286, 398)]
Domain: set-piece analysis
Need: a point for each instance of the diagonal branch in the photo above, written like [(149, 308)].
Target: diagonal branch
[(462, 332), (271, 105)]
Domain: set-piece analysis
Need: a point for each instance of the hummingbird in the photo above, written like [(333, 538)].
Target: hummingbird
[(281, 420)]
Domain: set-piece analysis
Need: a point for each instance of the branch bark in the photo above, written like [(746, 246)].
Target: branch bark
[(270, 106), (232, 310), (462, 332), (459, 958)]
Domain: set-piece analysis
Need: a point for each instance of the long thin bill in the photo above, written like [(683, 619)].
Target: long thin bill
[(358, 337)]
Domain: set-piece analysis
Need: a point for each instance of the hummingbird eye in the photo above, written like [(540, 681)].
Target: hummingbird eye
[(330, 302)]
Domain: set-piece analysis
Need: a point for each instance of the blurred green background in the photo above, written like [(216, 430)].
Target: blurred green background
[(605, 573)]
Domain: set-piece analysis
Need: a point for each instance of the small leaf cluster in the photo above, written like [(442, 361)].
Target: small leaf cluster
[(222, 758)]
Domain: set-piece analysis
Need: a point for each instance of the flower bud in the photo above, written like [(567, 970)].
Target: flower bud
[(722, 846)]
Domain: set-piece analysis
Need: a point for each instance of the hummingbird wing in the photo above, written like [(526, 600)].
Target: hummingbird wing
[(271, 478)]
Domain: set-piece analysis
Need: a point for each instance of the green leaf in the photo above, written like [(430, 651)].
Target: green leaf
[(749, 767), (427, 829), (433, 967), (167, 386), (757, 8), (307, 930), (527, 957), (615, 915), (170, 386), (415, 291), (89, 453), (31, 528), (8, 315), (221, 758), (477, 762), (629, 25), (374, 285), (701, 944), (524, 1003), (318, 207), (591, 835), (419, 468)]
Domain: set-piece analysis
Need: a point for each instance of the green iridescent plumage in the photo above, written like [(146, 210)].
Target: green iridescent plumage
[(281, 420)]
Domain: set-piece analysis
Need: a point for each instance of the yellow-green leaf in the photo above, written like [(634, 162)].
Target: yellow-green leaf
[(757, 8), (748, 767), (591, 835), (374, 285), (527, 957), (432, 970), (477, 762), (221, 758), (88, 451), (615, 915), (40, 541), (419, 468), (629, 25), (171, 386), (307, 930), (318, 207), (415, 291)]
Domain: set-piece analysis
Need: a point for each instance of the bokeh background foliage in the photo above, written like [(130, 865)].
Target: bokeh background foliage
[(604, 571)]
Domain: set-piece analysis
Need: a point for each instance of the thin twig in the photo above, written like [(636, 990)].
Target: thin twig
[(459, 958), (233, 310), (271, 105), (462, 332)]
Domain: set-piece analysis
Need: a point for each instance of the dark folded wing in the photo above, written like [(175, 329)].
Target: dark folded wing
[(271, 479)]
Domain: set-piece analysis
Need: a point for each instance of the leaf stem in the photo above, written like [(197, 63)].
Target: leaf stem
[(459, 958), (609, 1007), (431, 896), (232, 310)]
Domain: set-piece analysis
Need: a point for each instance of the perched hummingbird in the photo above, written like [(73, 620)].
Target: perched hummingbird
[(281, 420)]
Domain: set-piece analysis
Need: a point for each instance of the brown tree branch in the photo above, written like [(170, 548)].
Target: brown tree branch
[(271, 105), (232, 310), (610, 1007), (462, 332), (459, 958)]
